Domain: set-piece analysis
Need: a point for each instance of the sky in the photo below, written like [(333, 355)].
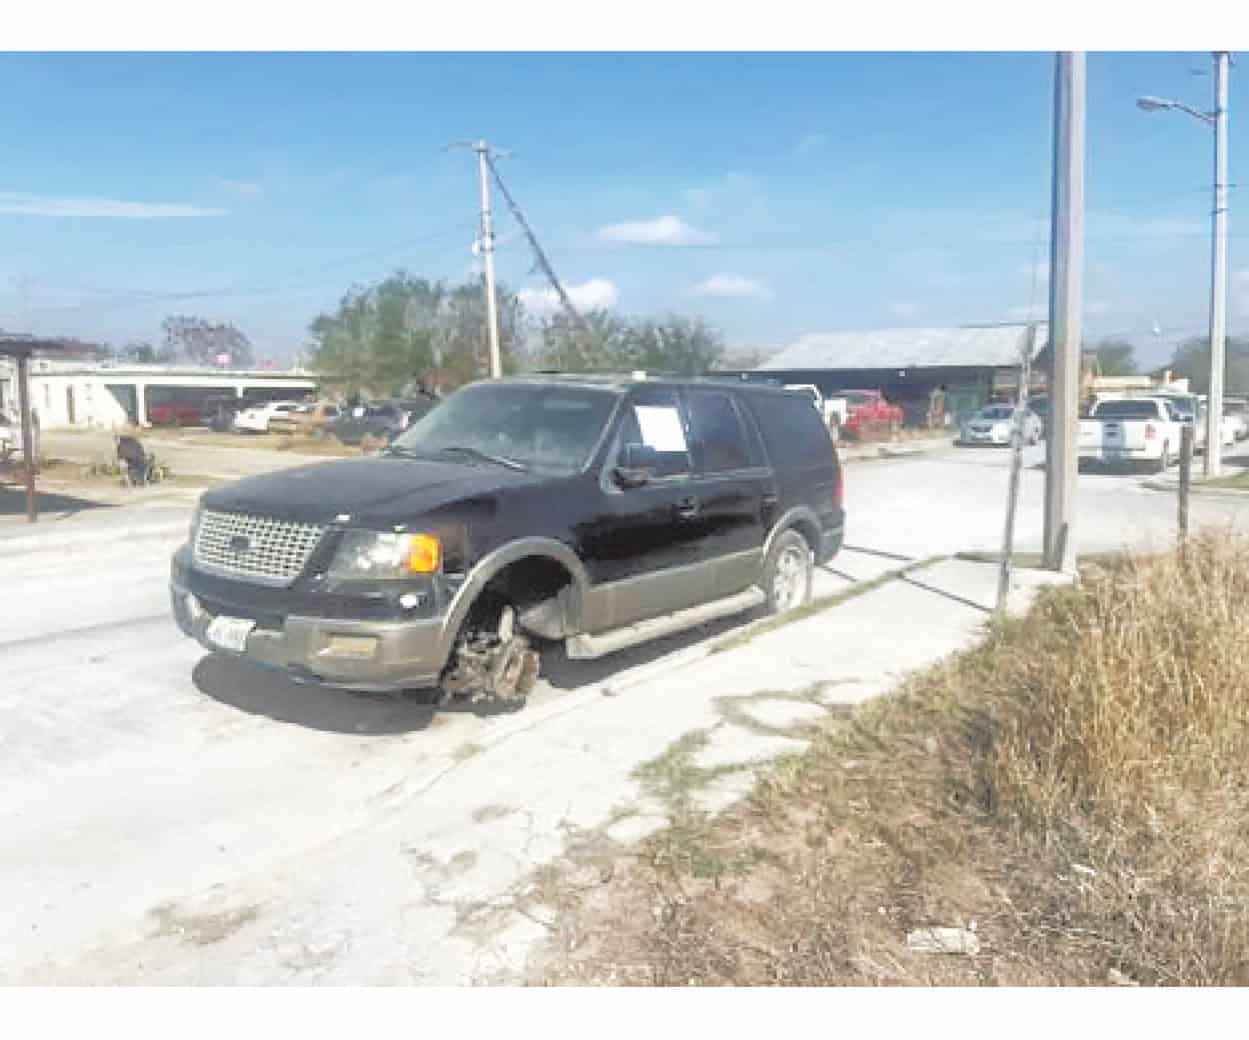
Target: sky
[(775, 195)]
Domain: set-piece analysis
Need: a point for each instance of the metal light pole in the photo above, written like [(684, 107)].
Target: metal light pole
[(1218, 261)]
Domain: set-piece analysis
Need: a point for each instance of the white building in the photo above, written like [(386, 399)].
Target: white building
[(92, 394)]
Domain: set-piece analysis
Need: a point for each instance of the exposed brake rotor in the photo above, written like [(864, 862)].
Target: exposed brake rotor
[(499, 665)]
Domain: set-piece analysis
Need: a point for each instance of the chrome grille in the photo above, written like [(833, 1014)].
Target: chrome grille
[(257, 547)]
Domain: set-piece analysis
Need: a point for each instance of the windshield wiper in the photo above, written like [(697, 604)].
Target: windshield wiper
[(477, 453)]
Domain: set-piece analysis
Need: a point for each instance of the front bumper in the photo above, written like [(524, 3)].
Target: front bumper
[(327, 642)]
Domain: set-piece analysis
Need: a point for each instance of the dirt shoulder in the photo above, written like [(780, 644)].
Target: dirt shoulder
[(1065, 802)]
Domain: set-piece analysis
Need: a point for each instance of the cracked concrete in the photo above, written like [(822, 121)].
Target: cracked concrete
[(278, 833)]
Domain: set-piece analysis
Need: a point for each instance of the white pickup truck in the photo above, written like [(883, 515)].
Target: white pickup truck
[(1131, 430)]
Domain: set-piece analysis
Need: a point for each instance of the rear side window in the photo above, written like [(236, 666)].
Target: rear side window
[(791, 428), (716, 429)]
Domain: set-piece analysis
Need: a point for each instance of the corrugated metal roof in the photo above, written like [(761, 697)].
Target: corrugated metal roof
[(982, 346)]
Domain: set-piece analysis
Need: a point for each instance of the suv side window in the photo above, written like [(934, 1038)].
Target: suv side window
[(716, 430), (791, 429), (653, 418)]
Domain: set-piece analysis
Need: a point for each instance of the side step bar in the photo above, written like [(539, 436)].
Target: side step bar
[(587, 648)]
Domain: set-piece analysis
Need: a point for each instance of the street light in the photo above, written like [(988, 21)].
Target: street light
[(1218, 265)]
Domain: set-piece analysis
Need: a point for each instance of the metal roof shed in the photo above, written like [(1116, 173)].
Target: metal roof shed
[(984, 346), (22, 348)]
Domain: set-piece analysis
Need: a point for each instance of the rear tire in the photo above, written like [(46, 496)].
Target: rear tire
[(787, 573)]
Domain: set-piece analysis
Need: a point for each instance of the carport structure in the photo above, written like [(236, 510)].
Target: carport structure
[(21, 349)]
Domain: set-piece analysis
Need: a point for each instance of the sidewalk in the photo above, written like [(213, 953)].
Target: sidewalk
[(443, 854)]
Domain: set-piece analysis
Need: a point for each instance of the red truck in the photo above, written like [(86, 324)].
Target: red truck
[(869, 412)]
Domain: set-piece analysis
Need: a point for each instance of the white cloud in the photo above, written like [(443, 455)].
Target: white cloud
[(246, 190), (662, 231), (732, 285), (903, 309), (28, 204), (596, 294)]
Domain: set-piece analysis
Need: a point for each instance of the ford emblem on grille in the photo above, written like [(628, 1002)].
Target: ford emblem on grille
[(240, 543)]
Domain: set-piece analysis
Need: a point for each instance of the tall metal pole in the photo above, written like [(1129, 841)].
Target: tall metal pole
[(1218, 275), (487, 249), (29, 448), (1065, 310)]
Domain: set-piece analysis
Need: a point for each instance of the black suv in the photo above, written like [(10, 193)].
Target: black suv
[(598, 512)]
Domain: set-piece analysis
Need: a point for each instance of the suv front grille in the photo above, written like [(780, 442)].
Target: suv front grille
[(257, 547)]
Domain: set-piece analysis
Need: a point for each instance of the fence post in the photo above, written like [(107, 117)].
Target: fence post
[(1186, 474)]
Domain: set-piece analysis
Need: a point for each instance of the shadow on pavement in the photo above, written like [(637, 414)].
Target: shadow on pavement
[(13, 502), (260, 691), (564, 674)]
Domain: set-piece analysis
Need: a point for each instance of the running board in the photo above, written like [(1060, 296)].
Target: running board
[(587, 647)]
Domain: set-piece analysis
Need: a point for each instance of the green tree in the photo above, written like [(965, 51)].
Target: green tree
[(1116, 358), (202, 342), (610, 343), (1191, 361), (404, 331)]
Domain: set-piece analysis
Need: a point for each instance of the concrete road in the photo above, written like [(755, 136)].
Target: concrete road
[(170, 817)]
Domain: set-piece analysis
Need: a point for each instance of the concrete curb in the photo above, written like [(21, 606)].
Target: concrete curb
[(1196, 489), (848, 452)]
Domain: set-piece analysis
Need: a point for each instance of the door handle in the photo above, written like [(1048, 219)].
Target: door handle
[(687, 508)]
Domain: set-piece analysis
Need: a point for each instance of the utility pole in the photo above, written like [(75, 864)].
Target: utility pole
[(1218, 274), (1065, 309), (486, 242)]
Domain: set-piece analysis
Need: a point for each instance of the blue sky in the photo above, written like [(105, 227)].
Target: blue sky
[(773, 194)]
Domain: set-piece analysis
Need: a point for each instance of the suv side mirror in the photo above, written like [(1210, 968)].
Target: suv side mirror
[(638, 464)]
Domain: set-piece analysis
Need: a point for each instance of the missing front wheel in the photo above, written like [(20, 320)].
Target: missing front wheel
[(496, 664)]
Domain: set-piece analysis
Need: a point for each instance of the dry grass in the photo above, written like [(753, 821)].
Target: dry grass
[(1074, 789)]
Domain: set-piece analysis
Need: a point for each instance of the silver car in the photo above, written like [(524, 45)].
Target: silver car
[(993, 425)]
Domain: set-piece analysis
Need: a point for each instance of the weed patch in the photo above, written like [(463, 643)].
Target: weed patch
[(1073, 791)]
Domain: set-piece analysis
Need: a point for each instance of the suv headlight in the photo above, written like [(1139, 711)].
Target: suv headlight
[(376, 554), (195, 519)]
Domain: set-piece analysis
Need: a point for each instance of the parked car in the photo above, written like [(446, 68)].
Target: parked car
[(219, 412), (175, 413), (1237, 413), (1132, 431), (1040, 407), (1227, 427), (10, 437), (380, 420), (995, 423), (868, 410), (306, 419), (596, 513), (256, 418)]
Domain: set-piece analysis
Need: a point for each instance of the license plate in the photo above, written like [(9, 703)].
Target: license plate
[(229, 633)]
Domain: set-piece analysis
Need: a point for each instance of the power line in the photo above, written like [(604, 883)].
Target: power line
[(543, 262), (291, 280)]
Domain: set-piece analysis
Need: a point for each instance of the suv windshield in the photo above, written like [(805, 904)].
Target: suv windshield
[(550, 428)]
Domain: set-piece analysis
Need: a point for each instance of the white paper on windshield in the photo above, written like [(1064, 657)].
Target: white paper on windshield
[(660, 426)]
